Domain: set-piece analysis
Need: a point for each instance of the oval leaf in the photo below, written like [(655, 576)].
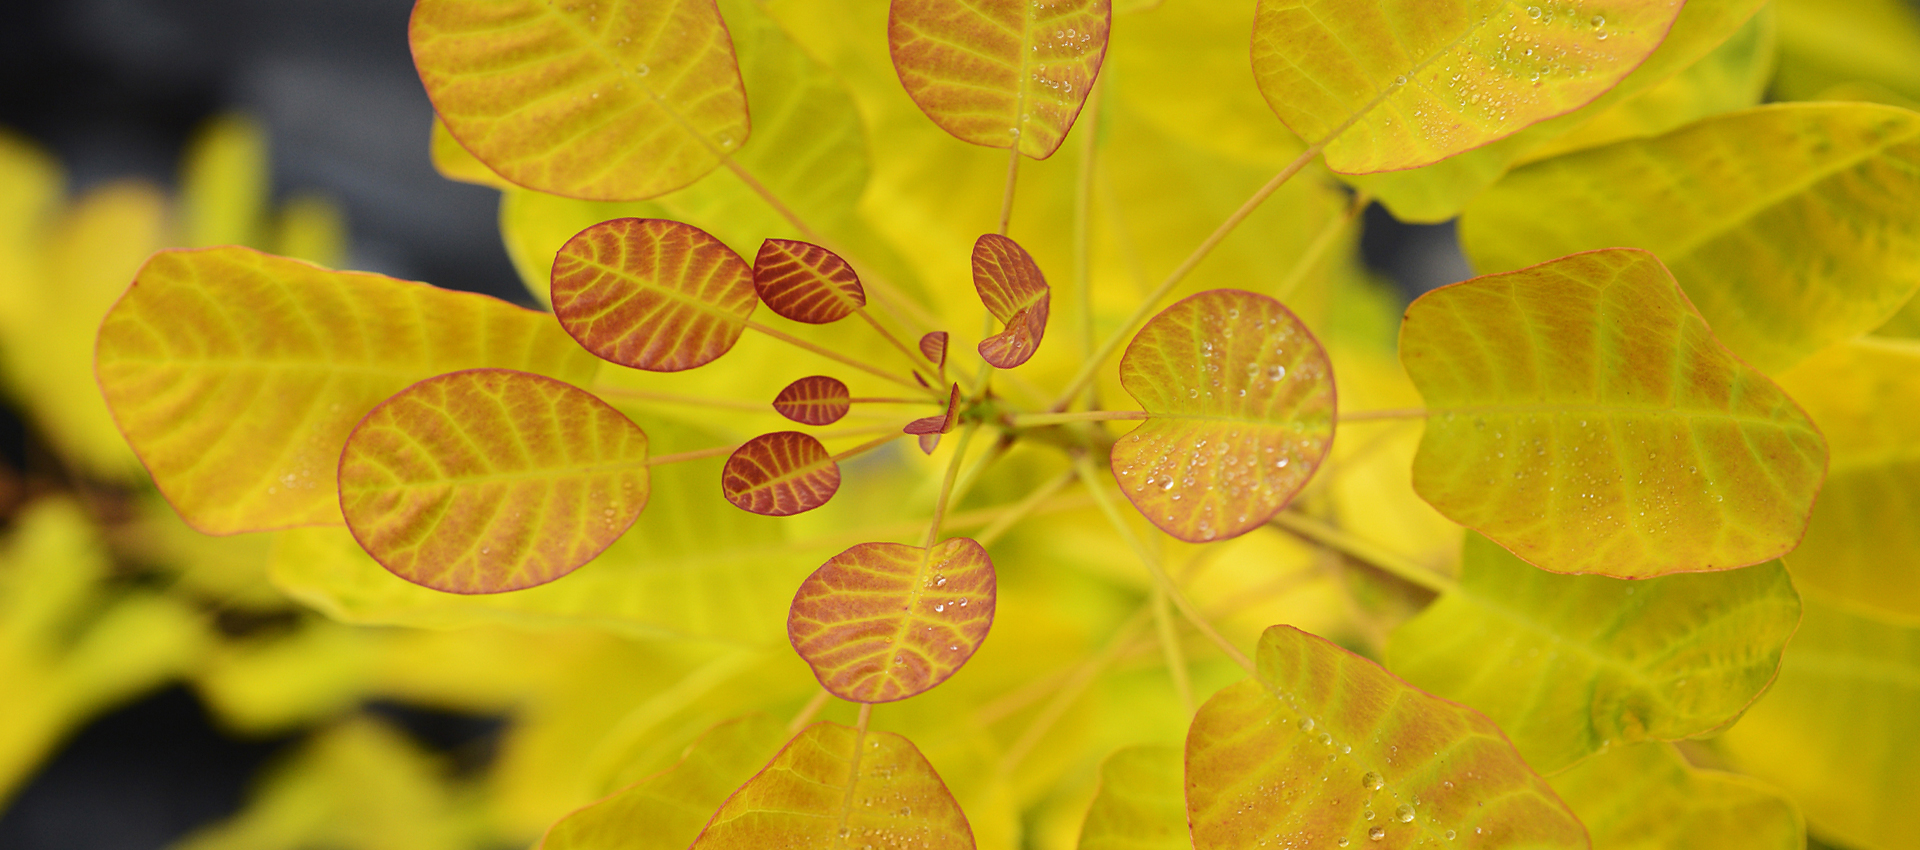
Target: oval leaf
[(491, 480), (236, 376), (1327, 747), (1240, 405), (1570, 665), (816, 400), (652, 294), (1647, 796), (1014, 291), (1582, 415), (583, 99), (1827, 189), (805, 282), (805, 798), (667, 811), (1140, 804), (1384, 90), (885, 621), (780, 474), (1001, 74)]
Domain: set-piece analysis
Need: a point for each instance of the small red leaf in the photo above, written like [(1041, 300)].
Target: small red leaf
[(817, 400), (780, 474), (805, 282), (937, 424), (934, 346), (1016, 293), (884, 621), (928, 442), (652, 294)]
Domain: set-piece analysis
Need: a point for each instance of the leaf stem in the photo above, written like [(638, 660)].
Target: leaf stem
[(696, 454), (875, 399), (830, 354), (1083, 216), (1077, 683), (915, 360), (675, 398), (946, 486), (1383, 415), (1318, 247), (1025, 420), (808, 712), (1170, 646), (1024, 507), (867, 446), (1006, 195), (1399, 566)]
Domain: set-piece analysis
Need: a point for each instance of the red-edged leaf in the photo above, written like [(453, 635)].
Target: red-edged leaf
[(884, 621), (1240, 400), (1016, 293), (780, 474), (491, 480), (805, 282), (937, 424), (652, 294), (934, 347), (816, 400)]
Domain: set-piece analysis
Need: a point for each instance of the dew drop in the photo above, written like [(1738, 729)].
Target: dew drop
[(1369, 814), (1450, 835), (899, 661), (1378, 833), (1372, 781), (1343, 841), (1193, 393), (1326, 739), (1598, 21), (1533, 12), (1404, 814), (642, 69), (1400, 80)]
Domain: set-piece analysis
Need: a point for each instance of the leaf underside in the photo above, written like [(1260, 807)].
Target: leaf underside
[(780, 474), (652, 294), (1015, 292)]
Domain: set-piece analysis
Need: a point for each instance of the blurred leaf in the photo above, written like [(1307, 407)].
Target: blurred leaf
[(668, 810), (1646, 797), (224, 183), (885, 621), (1141, 804), (311, 228), (1825, 42)]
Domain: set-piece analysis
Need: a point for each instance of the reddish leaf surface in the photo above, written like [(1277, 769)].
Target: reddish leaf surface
[(491, 480), (934, 346), (780, 474), (884, 621), (1016, 293), (1240, 400), (805, 282), (933, 426), (816, 400), (652, 294)]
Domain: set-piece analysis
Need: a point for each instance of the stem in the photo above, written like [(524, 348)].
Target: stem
[(867, 446), (1006, 196), (605, 390), (874, 399), (1170, 644), (1180, 272), (808, 712), (767, 195), (1024, 420), (1318, 247), (853, 764), (1019, 511), (866, 716), (1384, 415), (696, 454), (916, 360), (1083, 216), (946, 486), (830, 354), (1063, 699), (1399, 566)]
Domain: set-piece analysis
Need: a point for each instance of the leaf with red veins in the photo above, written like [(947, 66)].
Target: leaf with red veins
[(780, 474), (814, 400), (941, 424), (805, 282), (934, 347), (1015, 292), (652, 294)]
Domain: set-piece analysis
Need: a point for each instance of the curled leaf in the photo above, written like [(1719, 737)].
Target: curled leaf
[(885, 621), (780, 474), (1240, 403), (805, 282), (1015, 292), (941, 424), (815, 400), (934, 347), (491, 480), (652, 294)]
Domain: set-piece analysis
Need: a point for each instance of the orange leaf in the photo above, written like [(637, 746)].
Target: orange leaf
[(934, 347), (1328, 749), (780, 474), (1015, 292), (491, 480), (805, 282), (816, 400), (1240, 404), (885, 621), (586, 100), (931, 427), (652, 294), (1000, 74), (806, 798)]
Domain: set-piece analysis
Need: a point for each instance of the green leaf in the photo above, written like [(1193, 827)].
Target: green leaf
[(1382, 90), (601, 104), (1791, 227), (1646, 797), (780, 474), (1572, 665), (667, 811), (652, 294), (1327, 745), (1582, 415), (1140, 804), (1837, 730), (237, 375)]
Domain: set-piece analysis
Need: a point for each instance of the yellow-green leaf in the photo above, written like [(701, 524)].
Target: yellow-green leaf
[(667, 811), (1327, 746), (1863, 543), (617, 101), (223, 183), (1571, 665), (1829, 42), (237, 375), (1646, 797), (1581, 414), (835, 786), (1140, 804), (1837, 730), (1791, 226), (1383, 88)]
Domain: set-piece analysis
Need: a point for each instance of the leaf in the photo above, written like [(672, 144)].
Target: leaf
[(1014, 291), (1326, 745), (1240, 403), (576, 100), (1828, 42), (780, 474), (1581, 414), (815, 400), (668, 810), (457, 163), (1384, 91), (491, 480), (934, 347), (1790, 226), (1140, 804), (223, 183), (885, 621), (237, 375), (1002, 74), (652, 294), (942, 424), (806, 797), (1646, 796), (805, 282), (1863, 545), (1571, 665), (1836, 732)]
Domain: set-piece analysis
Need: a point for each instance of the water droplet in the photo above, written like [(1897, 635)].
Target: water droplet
[(1533, 12), (1404, 813), (1369, 814), (940, 607), (1378, 833), (1372, 781), (1343, 841), (642, 69), (1598, 21), (1193, 393), (899, 661), (1400, 80), (1450, 835), (1326, 739)]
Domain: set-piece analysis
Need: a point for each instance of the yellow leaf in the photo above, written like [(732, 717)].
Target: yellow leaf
[(1825, 42), (311, 228), (667, 811), (1646, 797), (1141, 804), (223, 183), (457, 163)]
